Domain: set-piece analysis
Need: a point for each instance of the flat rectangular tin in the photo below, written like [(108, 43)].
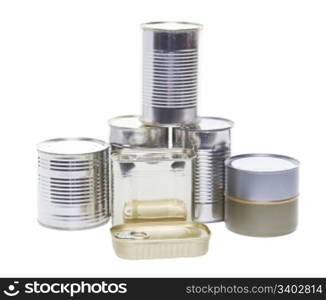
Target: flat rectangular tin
[(160, 240), (151, 185)]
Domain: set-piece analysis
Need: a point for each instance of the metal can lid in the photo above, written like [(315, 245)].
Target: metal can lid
[(211, 124), (72, 146), (262, 163), (171, 26), (126, 122), (262, 177)]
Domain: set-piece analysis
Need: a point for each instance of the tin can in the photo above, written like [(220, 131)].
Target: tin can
[(262, 194), (160, 240), (73, 183), (151, 185), (170, 72), (211, 142), (130, 132)]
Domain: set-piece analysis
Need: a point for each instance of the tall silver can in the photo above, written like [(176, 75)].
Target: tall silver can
[(262, 194), (73, 183), (211, 141), (170, 72)]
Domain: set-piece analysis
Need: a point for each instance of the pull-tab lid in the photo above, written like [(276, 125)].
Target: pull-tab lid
[(160, 239), (132, 235)]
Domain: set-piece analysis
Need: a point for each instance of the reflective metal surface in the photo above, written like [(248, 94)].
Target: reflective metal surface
[(209, 212), (261, 219), (170, 72), (73, 183), (211, 141), (262, 177), (262, 194), (160, 240), (130, 132), (151, 185)]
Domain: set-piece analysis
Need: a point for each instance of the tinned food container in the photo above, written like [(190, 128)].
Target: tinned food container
[(210, 139), (262, 194), (170, 72), (151, 185), (73, 183), (160, 240)]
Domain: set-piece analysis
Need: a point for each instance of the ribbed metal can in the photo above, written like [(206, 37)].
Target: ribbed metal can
[(73, 183), (262, 194), (170, 72), (211, 141)]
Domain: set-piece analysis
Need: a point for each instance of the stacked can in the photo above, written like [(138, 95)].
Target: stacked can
[(167, 164), (211, 141), (170, 88), (73, 177), (170, 73), (130, 132)]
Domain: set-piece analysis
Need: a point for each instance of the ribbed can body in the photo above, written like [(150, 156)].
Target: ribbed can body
[(209, 174), (170, 75), (73, 190), (211, 142)]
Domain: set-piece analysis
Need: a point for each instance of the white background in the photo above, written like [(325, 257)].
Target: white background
[(68, 66)]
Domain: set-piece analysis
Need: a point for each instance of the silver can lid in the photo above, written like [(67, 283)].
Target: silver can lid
[(165, 26), (72, 146), (211, 124), (262, 177), (209, 133)]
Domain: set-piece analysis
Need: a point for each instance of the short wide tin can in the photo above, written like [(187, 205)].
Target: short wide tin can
[(261, 194), (73, 183)]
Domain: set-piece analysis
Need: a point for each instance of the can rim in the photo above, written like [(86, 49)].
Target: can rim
[(64, 139), (110, 122), (229, 124), (228, 162), (188, 26)]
